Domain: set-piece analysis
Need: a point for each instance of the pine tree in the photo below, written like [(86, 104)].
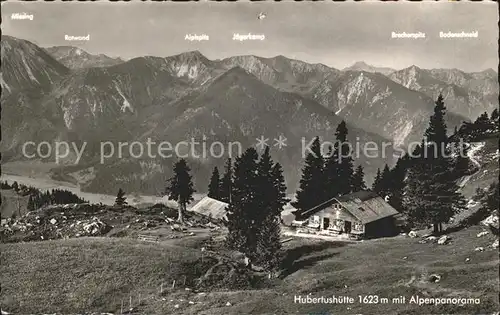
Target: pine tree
[(358, 181), (120, 198), (345, 160), (244, 200), (398, 176), (180, 187), (462, 162), (385, 182), (31, 204), (494, 115), (431, 195), (311, 183), (214, 186), (376, 186), (226, 182), (272, 197)]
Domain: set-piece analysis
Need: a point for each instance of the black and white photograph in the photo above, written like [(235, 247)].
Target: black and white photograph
[(249, 158)]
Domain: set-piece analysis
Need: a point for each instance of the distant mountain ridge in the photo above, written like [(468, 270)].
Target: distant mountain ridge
[(362, 66), (187, 95), (77, 58)]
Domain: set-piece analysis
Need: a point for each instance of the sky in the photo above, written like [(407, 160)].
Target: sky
[(335, 34)]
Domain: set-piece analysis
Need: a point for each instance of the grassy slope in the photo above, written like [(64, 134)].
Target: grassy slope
[(96, 274)]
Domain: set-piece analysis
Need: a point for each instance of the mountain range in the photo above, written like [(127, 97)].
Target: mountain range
[(64, 93)]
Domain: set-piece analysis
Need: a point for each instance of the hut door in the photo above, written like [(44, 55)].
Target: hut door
[(326, 223), (347, 226)]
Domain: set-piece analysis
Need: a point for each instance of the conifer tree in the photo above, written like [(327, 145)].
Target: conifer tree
[(331, 181), (345, 160), (31, 204), (244, 201), (398, 175), (180, 187), (376, 186), (462, 162), (272, 196), (311, 184), (385, 182), (494, 115), (431, 195), (358, 181), (120, 198), (226, 182), (214, 186)]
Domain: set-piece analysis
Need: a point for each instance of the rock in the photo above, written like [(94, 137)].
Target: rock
[(491, 220), (479, 249), (176, 305), (467, 259), (53, 221), (228, 304), (405, 258), (495, 244), (191, 234), (413, 234), (422, 242), (481, 234), (191, 302), (431, 238), (435, 278), (187, 289), (443, 240)]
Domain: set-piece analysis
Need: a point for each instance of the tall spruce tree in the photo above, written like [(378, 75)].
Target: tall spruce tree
[(431, 195), (214, 186), (358, 182), (331, 181), (311, 185), (398, 175), (180, 187), (494, 115), (385, 182), (376, 185), (226, 182), (345, 160), (120, 198), (244, 201), (269, 245), (272, 198)]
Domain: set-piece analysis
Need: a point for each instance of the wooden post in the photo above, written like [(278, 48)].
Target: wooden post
[(173, 284), (139, 303), (161, 288), (184, 283), (121, 308), (130, 301)]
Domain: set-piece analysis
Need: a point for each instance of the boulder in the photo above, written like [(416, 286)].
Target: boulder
[(435, 278), (491, 220), (53, 221), (479, 249), (495, 244), (481, 234), (413, 234), (443, 240)]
